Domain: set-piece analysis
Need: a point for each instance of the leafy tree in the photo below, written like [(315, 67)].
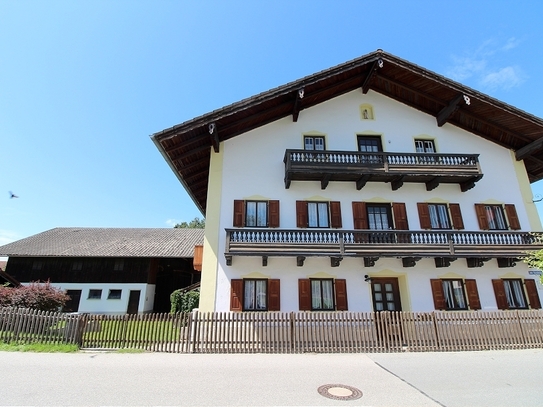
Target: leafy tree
[(196, 223), (535, 259), (36, 295)]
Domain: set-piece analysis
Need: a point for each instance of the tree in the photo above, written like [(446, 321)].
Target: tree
[(36, 295), (196, 223), (535, 259)]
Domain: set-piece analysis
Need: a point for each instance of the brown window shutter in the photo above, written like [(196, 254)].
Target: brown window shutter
[(533, 297), (236, 295), (301, 214), (472, 293), (341, 294), (274, 297), (360, 215), (438, 294), (400, 216), (239, 213), (499, 292), (512, 217), (456, 216), (424, 215), (273, 214), (335, 214), (304, 294), (481, 216)]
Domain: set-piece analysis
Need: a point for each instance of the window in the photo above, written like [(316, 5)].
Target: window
[(368, 215), (455, 294), (425, 146), (95, 294), (322, 294), (119, 265), (379, 216), (370, 144), (497, 217), (510, 293), (385, 294), (314, 143), (37, 265), (77, 265), (318, 214), (440, 216), (255, 295), (256, 213), (114, 294)]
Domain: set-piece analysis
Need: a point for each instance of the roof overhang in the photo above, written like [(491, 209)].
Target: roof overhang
[(187, 147)]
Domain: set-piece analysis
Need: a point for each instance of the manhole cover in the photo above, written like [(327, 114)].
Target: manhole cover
[(339, 392)]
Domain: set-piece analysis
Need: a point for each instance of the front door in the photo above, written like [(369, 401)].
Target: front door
[(385, 294), (133, 302), (72, 305)]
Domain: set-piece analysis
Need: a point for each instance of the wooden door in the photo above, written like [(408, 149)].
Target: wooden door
[(133, 302), (385, 294), (72, 305)]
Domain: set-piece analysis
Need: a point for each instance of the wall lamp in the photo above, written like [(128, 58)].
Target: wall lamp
[(367, 278)]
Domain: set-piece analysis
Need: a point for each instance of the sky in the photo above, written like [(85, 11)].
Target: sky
[(83, 85)]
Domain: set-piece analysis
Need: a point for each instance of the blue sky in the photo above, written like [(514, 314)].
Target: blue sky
[(83, 84)]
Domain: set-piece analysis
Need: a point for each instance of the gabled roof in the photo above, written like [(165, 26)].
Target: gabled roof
[(107, 242), (186, 147)]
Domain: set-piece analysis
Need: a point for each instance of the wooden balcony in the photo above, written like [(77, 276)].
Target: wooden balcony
[(410, 245), (431, 169)]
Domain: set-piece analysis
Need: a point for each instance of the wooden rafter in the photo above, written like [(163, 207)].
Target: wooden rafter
[(449, 110), (214, 136), (369, 77), (297, 104), (529, 149)]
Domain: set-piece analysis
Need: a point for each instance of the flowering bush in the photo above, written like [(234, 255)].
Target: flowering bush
[(36, 295)]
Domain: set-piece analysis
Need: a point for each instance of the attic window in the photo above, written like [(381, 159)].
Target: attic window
[(37, 265), (77, 265), (119, 265)]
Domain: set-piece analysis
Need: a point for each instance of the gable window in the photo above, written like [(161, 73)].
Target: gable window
[(322, 294), (95, 294), (455, 294), (255, 295), (77, 265), (497, 217), (256, 213), (37, 265), (318, 214), (114, 294), (440, 216), (425, 146), (119, 265), (314, 143), (370, 144)]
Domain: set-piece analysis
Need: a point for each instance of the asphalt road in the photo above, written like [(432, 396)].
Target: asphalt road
[(491, 378)]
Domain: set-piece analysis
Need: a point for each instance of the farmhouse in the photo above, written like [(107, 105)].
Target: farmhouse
[(373, 185), (109, 270)]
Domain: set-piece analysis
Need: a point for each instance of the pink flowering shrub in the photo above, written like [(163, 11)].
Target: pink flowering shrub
[(36, 295)]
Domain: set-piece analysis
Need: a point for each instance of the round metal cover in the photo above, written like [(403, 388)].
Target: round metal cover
[(339, 392)]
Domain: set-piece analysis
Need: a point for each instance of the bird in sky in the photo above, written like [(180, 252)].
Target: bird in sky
[(12, 195)]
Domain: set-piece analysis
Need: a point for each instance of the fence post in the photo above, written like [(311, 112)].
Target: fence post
[(292, 332), (193, 324)]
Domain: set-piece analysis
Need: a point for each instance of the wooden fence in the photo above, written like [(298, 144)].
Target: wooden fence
[(277, 332)]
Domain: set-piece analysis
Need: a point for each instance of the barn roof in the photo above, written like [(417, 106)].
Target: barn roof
[(107, 242), (186, 147)]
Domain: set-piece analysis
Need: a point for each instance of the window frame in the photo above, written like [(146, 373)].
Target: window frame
[(95, 291), (424, 148), (318, 215), (111, 291), (322, 141), (439, 215), (118, 265), (77, 265), (313, 282), (255, 281), (509, 289), (453, 298), (257, 213), (389, 215)]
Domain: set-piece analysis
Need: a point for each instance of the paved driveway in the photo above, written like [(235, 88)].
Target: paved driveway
[(493, 378)]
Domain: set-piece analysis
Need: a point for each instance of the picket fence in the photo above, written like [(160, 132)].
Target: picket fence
[(277, 332)]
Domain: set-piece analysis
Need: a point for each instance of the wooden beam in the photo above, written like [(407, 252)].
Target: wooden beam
[(297, 104), (443, 261), (370, 261), (397, 183), (325, 180), (432, 184), (334, 261), (529, 149), (369, 77), (228, 259), (470, 183), (361, 182), (505, 262), (410, 261), (448, 110), (214, 136), (264, 261), (300, 261)]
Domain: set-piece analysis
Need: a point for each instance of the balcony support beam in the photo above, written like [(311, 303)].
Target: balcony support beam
[(506, 262), (397, 183), (410, 261), (470, 183), (300, 261), (264, 261), (474, 262), (432, 184), (228, 259), (325, 180), (334, 261), (370, 261), (444, 261), (362, 181)]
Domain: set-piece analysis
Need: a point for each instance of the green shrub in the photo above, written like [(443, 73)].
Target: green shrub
[(184, 302)]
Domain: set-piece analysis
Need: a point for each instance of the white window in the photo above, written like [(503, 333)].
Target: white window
[(314, 143), (514, 294), (425, 146), (322, 294), (255, 295)]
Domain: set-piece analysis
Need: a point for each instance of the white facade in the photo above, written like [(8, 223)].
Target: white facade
[(250, 167)]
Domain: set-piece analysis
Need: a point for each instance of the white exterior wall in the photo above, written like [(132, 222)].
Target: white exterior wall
[(253, 168), (105, 306)]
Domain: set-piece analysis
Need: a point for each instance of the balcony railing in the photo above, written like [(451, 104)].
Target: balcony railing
[(380, 243), (396, 168)]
